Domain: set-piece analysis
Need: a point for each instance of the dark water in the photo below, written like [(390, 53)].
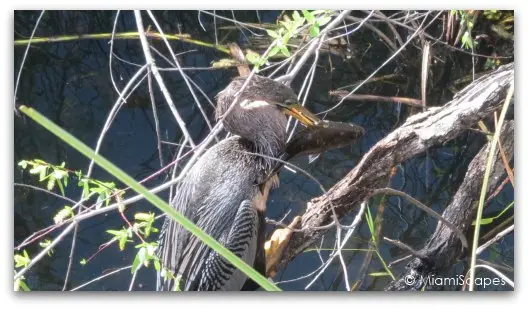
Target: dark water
[(69, 82)]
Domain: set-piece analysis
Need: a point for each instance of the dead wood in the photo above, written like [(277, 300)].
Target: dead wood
[(435, 126), (443, 248)]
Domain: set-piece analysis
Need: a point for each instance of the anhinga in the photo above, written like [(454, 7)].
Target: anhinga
[(225, 192)]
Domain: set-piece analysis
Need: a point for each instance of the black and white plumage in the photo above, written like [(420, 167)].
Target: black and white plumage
[(223, 193), (219, 195)]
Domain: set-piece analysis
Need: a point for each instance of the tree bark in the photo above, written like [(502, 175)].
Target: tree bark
[(443, 248), (421, 131)]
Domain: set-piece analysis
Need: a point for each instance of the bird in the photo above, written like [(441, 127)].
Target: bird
[(226, 190)]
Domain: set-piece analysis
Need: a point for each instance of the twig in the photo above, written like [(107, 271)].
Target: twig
[(361, 21), (244, 25), (175, 68), (44, 251), (509, 171), (157, 76), (101, 277), (498, 273), (376, 98), (393, 29), (494, 239), (442, 42), (112, 113), (155, 114), (404, 247), (426, 60), (184, 76), (341, 259), (133, 278), (48, 192), (428, 210), (291, 75), (487, 173), (70, 258), (397, 261), (380, 33), (111, 53), (349, 234), (386, 61), (24, 60)]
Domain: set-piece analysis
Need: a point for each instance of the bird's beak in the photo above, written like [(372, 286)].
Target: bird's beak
[(300, 113)]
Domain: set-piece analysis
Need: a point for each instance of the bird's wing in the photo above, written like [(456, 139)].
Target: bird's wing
[(208, 270), (173, 236)]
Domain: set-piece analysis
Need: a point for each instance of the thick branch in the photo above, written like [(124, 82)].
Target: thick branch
[(442, 249), (435, 126)]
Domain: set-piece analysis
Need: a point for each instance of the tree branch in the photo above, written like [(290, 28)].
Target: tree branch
[(421, 131)]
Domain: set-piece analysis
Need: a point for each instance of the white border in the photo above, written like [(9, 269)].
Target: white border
[(287, 300)]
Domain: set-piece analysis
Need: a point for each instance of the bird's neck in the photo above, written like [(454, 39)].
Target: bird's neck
[(270, 145)]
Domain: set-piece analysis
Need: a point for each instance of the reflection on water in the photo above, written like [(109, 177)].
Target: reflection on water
[(69, 82)]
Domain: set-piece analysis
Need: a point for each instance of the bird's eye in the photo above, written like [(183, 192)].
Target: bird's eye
[(290, 101)]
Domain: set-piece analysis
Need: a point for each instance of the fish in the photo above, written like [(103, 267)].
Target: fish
[(322, 137), (317, 139)]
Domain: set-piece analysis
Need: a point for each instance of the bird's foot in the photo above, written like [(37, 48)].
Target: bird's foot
[(275, 246)]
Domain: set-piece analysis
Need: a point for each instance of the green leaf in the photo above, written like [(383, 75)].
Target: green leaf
[(58, 174), (274, 51), (121, 207), (100, 200), (86, 190), (273, 34), (485, 221), (296, 16), (157, 265), (286, 39), (167, 274), (151, 250), (136, 264), (380, 274), (224, 63), (51, 182), (285, 51), (42, 175), (177, 283), (23, 164), (309, 16), (142, 255), (323, 20), (319, 12), (83, 261), (118, 233), (22, 260), (252, 57), (314, 31), (107, 198), (36, 169), (63, 214), (141, 216), (61, 187), (21, 285), (122, 243), (152, 198), (45, 244)]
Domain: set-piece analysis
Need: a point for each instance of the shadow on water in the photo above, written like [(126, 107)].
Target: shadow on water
[(69, 82)]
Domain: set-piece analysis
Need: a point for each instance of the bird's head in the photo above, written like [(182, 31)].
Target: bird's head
[(259, 114)]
